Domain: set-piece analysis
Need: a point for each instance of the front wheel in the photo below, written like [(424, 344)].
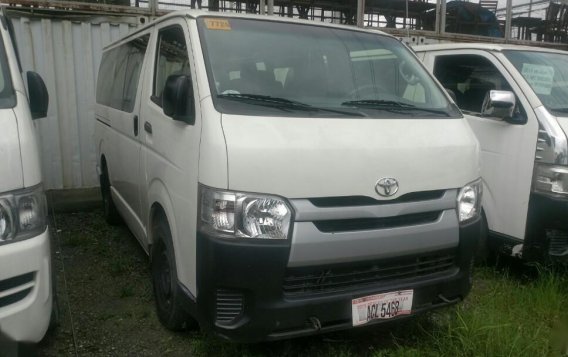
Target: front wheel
[(164, 278), (110, 212)]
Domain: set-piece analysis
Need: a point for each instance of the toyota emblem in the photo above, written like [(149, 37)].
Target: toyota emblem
[(387, 186)]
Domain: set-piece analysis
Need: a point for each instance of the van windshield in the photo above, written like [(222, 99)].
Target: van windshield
[(271, 68), (7, 95), (547, 74)]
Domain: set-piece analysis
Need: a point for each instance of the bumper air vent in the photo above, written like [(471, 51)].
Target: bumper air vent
[(557, 243), (15, 289), (229, 306)]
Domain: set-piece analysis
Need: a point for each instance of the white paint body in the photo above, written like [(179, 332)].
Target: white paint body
[(288, 157), (27, 319), (507, 151)]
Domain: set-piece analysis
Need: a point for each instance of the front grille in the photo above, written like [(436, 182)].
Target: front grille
[(350, 201), (313, 280), (361, 224), (20, 285), (229, 305)]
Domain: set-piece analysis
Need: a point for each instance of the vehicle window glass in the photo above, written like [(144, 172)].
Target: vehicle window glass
[(105, 81), (136, 52), (118, 78), (171, 59), (547, 74), (7, 94), (470, 77), (330, 71), (119, 74)]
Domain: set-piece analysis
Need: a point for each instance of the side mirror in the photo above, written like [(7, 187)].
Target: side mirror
[(499, 104), (177, 98), (38, 96)]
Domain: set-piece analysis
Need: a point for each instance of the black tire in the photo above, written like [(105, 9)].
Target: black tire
[(482, 251), (164, 279), (110, 212), (54, 320)]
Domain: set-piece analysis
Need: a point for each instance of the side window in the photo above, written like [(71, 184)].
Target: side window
[(119, 74), (136, 52), (118, 78), (470, 77), (171, 59), (106, 77)]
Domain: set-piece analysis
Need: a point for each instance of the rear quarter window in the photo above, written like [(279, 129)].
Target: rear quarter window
[(119, 74)]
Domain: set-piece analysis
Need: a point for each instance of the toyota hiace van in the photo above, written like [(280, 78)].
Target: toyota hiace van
[(286, 177), (25, 258)]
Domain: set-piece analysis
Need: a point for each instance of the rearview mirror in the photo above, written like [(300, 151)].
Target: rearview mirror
[(177, 98), (499, 104), (38, 96)]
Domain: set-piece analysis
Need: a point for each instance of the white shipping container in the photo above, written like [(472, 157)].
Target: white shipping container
[(67, 53)]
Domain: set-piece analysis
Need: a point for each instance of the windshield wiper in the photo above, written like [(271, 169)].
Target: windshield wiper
[(390, 105), (561, 110), (266, 99), (281, 103)]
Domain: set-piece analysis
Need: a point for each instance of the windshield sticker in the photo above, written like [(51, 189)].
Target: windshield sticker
[(218, 24), (541, 78)]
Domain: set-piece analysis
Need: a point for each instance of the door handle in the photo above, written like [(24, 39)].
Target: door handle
[(136, 125), (148, 127)]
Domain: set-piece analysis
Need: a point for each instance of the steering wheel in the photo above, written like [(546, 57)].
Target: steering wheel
[(408, 76), (370, 89)]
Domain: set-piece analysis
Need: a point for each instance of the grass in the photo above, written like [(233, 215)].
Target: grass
[(506, 317), (510, 311)]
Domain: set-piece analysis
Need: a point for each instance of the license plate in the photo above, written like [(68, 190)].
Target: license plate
[(381, 306)]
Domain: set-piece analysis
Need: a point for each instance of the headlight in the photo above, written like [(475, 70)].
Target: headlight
[(23, 214), (551, 180), (469, 201), (243, 215)]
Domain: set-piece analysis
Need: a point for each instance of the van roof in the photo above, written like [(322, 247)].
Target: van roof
[(194, 14), (482, 46)]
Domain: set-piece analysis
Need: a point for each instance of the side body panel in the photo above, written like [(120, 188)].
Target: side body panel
[(170, 156)]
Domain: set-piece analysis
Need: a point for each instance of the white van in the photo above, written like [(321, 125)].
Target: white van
[(516, 101), (286, 177), (25, 258)]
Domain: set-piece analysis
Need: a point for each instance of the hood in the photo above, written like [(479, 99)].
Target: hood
[(11, 177), (301, 157)]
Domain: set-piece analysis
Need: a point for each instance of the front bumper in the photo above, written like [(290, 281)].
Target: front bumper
[(547, 228), (241, 295), (25, 289)]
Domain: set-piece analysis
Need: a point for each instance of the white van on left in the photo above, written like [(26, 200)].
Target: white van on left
[(25, 259)]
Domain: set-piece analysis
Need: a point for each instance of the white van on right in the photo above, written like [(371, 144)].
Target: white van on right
[(516, 101)]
